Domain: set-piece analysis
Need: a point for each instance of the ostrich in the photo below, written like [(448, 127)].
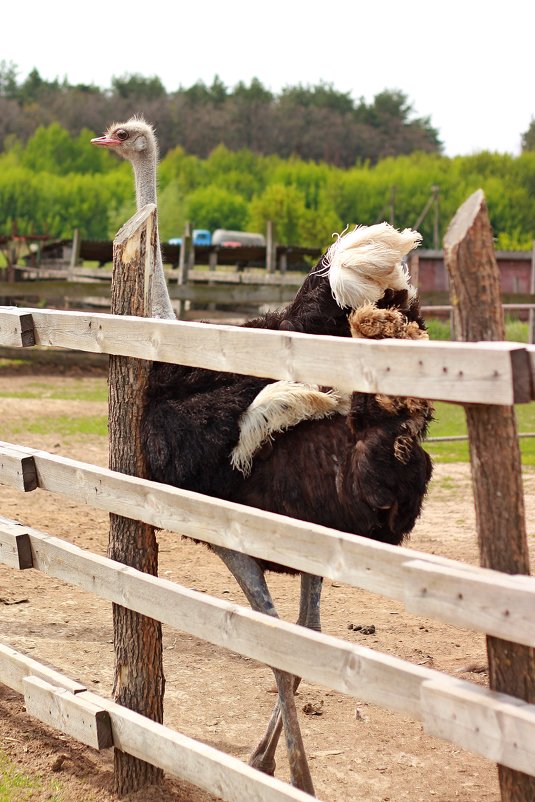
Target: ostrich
[(353, 463)]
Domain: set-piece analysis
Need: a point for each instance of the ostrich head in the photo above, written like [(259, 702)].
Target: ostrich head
[(135, 140)]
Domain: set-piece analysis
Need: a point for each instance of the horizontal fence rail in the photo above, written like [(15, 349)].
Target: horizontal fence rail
[(80, 713), (453, 709), (497, 373), (490, 601)]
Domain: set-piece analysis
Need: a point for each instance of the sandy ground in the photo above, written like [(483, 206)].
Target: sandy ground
[(357, 751)]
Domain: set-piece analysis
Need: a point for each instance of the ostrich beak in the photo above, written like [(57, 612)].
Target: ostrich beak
[(105, 141)]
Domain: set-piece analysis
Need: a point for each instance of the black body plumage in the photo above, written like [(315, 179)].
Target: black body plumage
[(341, 472)]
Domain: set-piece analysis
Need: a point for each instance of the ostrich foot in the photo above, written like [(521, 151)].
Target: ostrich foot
[(261, 764)]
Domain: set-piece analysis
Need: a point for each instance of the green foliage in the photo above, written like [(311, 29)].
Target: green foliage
[(322, 95), (70, 389), (8, 79), (56, 181), (17, 786), (215, 207), (46, 203), (136, 86), (285, 206), (528, 137), (515, 330), (52, 150), (450, 421), (184, 171)]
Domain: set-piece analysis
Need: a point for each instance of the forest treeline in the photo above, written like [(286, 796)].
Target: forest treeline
[(52, 180), (311, 122)]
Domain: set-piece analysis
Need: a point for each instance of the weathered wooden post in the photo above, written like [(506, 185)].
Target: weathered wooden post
[(414, 268), (436, 213), (531, 329), (271, 248), (494, 450), (75, 254), (139, 680), (186, 261)]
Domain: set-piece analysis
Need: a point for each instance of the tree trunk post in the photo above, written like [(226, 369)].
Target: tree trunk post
[(75, 253), (271, 248), (531, 328), (494, 451), (139, 680), (186, 259)]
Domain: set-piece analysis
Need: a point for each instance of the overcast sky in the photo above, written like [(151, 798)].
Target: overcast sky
[(466, 64)]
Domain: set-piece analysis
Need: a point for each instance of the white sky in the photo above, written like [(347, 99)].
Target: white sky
[(467, 64)]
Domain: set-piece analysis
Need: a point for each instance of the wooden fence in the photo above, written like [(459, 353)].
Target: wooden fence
[(233, 277), (499, 726)]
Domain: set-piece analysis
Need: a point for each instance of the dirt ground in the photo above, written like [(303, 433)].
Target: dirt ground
[(357, 751)]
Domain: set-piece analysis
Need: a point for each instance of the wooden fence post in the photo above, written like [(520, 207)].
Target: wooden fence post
[(531, 325), (75, 253), (494, 452), (139, 681), (271, 248), (186, 261)]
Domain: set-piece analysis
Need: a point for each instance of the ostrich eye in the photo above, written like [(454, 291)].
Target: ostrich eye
[(122, 134)]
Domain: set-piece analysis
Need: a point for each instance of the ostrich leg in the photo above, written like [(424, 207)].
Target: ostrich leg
[(263, 757), (251, 579)]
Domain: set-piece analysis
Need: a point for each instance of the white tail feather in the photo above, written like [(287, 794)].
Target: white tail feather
[(277, 407), (365, 262)]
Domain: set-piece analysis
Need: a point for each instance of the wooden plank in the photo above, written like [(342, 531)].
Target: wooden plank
[(15, 666), (246, 277), (478, 599), (491, 724), (73, 714), (54, 289), (15, 546), (359, 561), (233, 293), (18, 470), (397, 572), (205, 767), (466, 372), (348, 668), (16, 326)]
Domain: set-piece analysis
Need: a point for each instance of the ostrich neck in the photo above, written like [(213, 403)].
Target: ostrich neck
[(145, 179), (145, 175)]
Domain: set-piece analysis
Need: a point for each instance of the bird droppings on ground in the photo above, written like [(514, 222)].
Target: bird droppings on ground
[(313, 708), (364, 629)]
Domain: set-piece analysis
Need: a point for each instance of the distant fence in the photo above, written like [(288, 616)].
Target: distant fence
[(233, 277)]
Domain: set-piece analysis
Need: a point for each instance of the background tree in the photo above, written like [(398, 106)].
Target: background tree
[(137, 86), (528, 137)]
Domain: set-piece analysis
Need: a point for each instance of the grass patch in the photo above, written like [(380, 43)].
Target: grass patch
[(8, 363), (515, 330), (450, 422), (17, 786), (63, 426), (63, 390)]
